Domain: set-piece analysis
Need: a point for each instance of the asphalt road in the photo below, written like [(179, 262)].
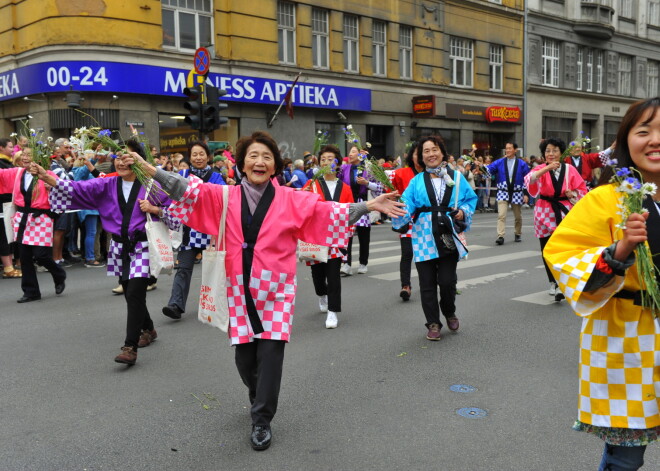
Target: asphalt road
[(372, 394)]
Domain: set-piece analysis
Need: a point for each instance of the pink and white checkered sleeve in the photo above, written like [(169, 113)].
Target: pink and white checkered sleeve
[(181, 209)]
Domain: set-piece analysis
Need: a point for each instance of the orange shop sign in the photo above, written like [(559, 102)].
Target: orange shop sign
[(503, 113), (423, 106)]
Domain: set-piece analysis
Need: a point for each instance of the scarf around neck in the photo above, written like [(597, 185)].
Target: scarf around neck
[(253, 193), (200, 172)]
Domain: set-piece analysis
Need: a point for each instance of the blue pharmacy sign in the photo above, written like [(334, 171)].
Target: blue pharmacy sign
[(119, 77)]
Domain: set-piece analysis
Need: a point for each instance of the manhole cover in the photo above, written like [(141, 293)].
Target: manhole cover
[(462, 388), (472, 413)]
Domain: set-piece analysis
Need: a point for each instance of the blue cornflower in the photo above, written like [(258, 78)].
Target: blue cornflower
[(622, 172), (40, 143), (612, 162), (105, 133)]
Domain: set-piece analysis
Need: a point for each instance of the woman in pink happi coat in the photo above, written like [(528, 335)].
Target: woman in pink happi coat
[(264, 224), (557, 188), (33, 227)]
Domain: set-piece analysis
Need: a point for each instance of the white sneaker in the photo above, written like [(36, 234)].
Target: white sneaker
[(331, 321), (362, 269), (346, 269), (553, 289), (323, 303)]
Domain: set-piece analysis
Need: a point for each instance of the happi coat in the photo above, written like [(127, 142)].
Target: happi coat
[(551, 205), (342, 194), (33, 213), (192, 238), (619, 341), (261, 249), (586, 163), (128, 256), (349, 174), (401, 178), (417, 201), (509, 187)]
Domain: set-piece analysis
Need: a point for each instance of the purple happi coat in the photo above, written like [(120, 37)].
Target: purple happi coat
[(123, 219), (360, 192)]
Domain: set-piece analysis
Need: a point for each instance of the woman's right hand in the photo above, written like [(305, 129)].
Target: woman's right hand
[(554, 165), (36, 170), (634, 234)]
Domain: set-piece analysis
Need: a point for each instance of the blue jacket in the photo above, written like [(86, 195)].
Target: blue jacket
[(499, 170)]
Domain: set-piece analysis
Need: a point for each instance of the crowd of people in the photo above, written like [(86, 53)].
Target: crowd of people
[(57, 216)]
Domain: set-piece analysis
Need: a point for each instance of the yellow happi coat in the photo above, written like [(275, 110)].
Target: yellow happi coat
[(619, 341)]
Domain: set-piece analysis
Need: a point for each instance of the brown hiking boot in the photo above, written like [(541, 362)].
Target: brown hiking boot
[(147, 337), (127, 356)]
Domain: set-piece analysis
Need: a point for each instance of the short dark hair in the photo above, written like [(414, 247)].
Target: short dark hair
[(555, 141), (201, 144), (437, 140), (515, 146), (135, 146), (409, 155), (261, 137), (331, 148), (4, 142)]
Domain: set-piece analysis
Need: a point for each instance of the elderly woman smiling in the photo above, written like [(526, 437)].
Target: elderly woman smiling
[(264, 223)]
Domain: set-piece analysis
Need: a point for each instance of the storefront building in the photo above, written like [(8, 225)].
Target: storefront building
[(359, 64)]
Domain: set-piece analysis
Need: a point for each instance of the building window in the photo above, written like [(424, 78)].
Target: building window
[(599, 73), (652, 80), (496, 65), (625, 75), (405, 52), (627, 8), (580, 59), (558, 127), (590, 70), (379, 50), (461, 53), (611, 129), (550, 58), (189, 27), (499, 2), (351, 44), (286, 32), (654, 12), (320, 38)]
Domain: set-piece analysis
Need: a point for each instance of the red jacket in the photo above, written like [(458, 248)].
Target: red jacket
[(401, 178), (588, 162)]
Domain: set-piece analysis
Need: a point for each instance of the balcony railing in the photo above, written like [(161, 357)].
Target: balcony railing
[(595, 19)]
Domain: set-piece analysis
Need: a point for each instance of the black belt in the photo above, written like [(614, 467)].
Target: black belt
[(559, 209), (128, 246), (429, 209), (636, 296)]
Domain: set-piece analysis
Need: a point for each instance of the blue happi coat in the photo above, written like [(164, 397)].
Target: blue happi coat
[(416, 197)]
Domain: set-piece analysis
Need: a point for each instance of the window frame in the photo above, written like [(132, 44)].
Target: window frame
[(579, 63), (653, 9), (405, 52), (652, 78), (464, 62), (320, 39), (351, 44), (496, 67), (198, 13), (599, 72), (379, 49), (627, 9), (624, 76), (550, 63), (286, 34), (590, 71)]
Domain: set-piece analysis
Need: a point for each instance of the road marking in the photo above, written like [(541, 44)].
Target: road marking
[(486, 279), (542, 298), (479, 262)]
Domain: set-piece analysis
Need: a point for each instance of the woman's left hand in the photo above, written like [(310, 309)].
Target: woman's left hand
[(362, 181), (459, 215), (385, 204), (147, 207)]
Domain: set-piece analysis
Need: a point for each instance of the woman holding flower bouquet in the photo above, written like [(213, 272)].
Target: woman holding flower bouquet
[(122, 205), (326, 276), (596, 256), (557, 187), (264, 224), (440, 204)]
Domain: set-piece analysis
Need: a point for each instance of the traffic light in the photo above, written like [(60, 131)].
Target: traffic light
[(194, 106), (211, 118)]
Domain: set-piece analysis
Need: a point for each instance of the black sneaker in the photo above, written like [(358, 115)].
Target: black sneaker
[(517, 239), (500, 241), (559, 296), (172, 311)]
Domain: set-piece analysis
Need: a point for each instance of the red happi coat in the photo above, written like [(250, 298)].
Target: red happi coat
[(400, 178), (38, 226), (262, 247), (344, 195)]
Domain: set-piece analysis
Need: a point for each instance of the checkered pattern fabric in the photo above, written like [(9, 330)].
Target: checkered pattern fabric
[(274, 296), (408, 232), (423, 243), (38, 231), (197, 240), (61, 196), (339, 229), (544, 219), (181, 209), (503, 193), (574, 273), (139, 260)]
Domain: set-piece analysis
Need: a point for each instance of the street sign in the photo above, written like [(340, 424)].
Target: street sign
[(202, 61)]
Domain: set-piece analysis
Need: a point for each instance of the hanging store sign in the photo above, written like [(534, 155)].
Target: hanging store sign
[(118, 77), (464, 112), (423, 106), (505, 114)]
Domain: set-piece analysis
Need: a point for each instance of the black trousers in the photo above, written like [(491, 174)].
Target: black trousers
[(543, 241), (260, 365), (138, 318), (364, 236), (182, 278), (327, 281), (44, 257), (405, 264), (433, 273)]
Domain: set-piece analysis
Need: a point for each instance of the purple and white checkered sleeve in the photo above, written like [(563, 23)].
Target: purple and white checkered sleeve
[(172, 222), (61, 196)]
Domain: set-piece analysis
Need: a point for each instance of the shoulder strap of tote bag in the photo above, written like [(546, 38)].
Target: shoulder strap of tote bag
[(223, 218)]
